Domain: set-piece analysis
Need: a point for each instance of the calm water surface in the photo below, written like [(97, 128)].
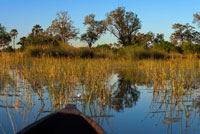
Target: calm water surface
[(133, 107)]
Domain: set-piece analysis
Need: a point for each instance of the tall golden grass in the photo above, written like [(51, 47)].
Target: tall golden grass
[(63, 79)]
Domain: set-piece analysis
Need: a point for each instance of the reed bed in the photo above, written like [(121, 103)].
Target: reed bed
[(34, 86)]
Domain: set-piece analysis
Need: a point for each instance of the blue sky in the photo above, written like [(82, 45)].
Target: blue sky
[(157, 16)]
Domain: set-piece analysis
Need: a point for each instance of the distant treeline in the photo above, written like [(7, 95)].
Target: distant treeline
[(123, 25)]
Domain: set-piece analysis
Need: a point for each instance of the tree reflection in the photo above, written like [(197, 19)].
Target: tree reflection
[(125, 96)]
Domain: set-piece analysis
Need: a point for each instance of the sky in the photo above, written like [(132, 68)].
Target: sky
[(156, 16)]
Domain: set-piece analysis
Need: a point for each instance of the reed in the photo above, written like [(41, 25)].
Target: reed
[(46, 84)]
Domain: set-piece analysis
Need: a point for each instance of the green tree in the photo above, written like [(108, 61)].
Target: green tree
[(38, 37), (159, 38), (196, 37), (149, 39), (182, 34), (22, 42), (196, 19), (63, 26), (94, 31), (168, 47), (5, 37), (13, 34), (144, 40), (37, 30), (122, 25)]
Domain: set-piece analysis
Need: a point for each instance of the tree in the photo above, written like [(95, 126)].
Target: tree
[(196, 19), (149, 39), (5, 37), (22, 42), (13, 34), (182, 34), (142, 39), (196, 37), (63, 26), (37, 37), (122, 25), (94, 31), (127, 91), (159, 38), (37, 30)]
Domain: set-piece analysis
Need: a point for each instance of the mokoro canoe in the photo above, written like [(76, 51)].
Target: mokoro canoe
[(68, 120)]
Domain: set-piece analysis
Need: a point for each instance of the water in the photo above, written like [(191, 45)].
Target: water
[(133, 107)]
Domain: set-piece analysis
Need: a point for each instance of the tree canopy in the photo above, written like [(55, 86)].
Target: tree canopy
[(122, 25), (94, 31), (37, 30), (184, 33), (147, 39), (5, 37), (13, 34), (63, 26), (196, 19)]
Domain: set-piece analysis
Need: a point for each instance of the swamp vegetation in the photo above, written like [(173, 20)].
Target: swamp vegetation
[(139, 84), (32, 87)]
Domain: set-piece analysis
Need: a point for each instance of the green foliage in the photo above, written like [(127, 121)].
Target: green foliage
[(38, 40), (167, 47), (148, 39), (103, 46), (134, 52), (8, 49), (94, 31), (63, 27), (184, 33), (13, 34), (190, 48), (37, 30), (22, 42), (85, 52), (5, 37), (122, 25), (105, 51), (63, 50), (196, 19), (143, 39)]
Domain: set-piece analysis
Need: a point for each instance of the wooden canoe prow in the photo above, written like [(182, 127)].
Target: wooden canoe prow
[(68, 120)]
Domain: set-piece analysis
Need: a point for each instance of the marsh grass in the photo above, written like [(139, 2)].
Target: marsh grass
[(51, 83)]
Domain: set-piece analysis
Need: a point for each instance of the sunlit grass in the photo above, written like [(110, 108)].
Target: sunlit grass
[(87, 81)]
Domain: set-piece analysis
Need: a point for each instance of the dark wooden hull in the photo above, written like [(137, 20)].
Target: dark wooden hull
[(68, 120)]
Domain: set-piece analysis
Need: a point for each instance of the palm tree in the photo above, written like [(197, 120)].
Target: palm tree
[(37, 30), (13, 34), (4, 37)]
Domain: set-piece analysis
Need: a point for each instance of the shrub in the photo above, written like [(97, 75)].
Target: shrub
[(104, 46), (167, 47), (8, 49), (85, 52), (141, 53), (190, 48)]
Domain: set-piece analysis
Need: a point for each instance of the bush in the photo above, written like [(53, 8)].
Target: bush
[(85, 52), (190, 48), (8, 49), (167, 47), (63, 50), (141, 53), (104, 46)]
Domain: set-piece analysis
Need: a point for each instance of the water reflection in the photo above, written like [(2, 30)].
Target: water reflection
[(25, 99), (125, 95), (172, 109)]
